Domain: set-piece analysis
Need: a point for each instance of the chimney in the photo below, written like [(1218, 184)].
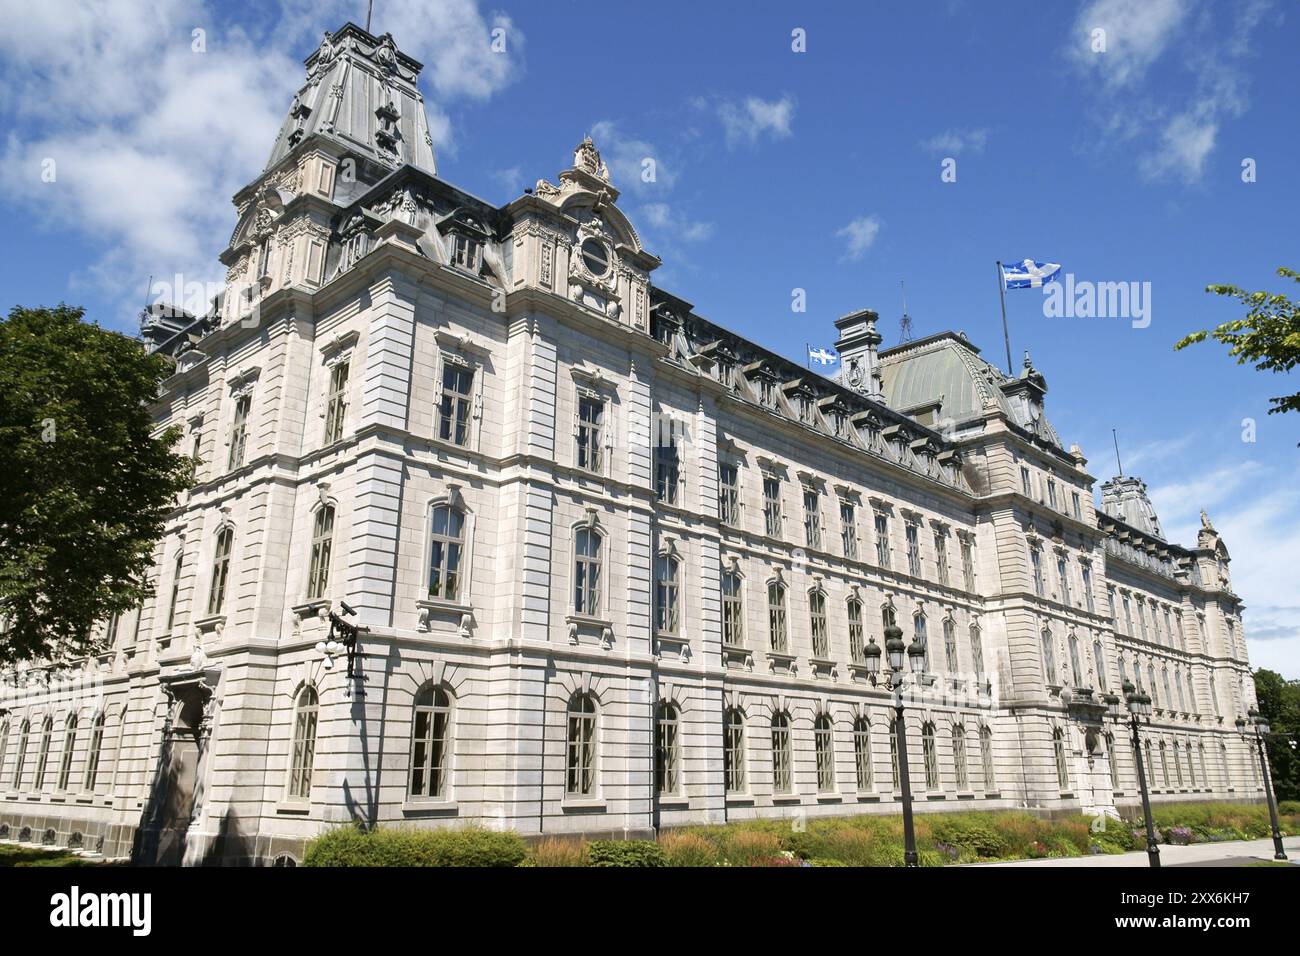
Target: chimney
[(857, 344)]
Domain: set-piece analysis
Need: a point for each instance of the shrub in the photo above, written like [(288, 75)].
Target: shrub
[(973, 834), (743, 846), (684, 848), (553, 852), (626, 853), (471, 846)]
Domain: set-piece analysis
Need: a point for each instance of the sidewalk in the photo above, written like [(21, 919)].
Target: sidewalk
[(1231, 853)]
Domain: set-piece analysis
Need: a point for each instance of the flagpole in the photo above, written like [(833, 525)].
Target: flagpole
[(1002, 294), (807, 356)]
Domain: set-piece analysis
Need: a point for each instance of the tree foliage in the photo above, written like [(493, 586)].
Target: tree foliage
[(1279, 704), (1269, 335), (85, 483)]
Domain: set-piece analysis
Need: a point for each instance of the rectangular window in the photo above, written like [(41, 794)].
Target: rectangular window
[(817, 615), (812, 519), (1051, 492), (968, 563), (1036, 559), (1128, 616), (1088, 599), (1025, 486), (322, 540), (667, 473), (941, 555), (239, 431), (336, 403), (457, 403), (913, 549), (729, 494), (882, 539), (1063, 572), (848, 530), (772, 507), (857, 646), (591, 413), (733, 627), (1078, 508), (776, 617)]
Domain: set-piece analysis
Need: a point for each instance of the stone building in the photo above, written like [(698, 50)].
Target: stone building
[(618, 566)]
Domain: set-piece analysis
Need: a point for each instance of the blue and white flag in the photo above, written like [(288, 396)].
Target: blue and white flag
[(823, 356), (1028, 274)]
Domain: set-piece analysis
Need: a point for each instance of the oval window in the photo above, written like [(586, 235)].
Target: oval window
[(595, 257)]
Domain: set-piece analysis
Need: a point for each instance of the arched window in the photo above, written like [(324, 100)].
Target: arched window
[(1076, 672), (93, 752), (893, 754), (322, 540), (857, 644), (1099, 662), (4, 744), (931, 754), (1062, 771), (1223, 761), (1164, 764), (43, 755), (1112, 756), (1150, 763), (1049, 657), (986, 759), (824, 747), (430, 741), (303, 754), (817, 620), (666, 591), (667, 759), (220, 570), (1178, 685), (959, 757), (69, 748), (918, 626), (1178, 766), (1123, 671), (782, 777), (887, 616), (1169, 698), (1191, 770), (862, 752), (24, 733), (734, 751), (1205, 773), (950, 645), (776, 616), (733, 615), (977, 650), (581, 764), (1151, 677), (446, 551), (586, 571)]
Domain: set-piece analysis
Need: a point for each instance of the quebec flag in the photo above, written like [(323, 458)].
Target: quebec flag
[(1028, 274), (823, 356)]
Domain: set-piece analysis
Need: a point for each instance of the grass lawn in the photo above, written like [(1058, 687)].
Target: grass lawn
[(34, 856)]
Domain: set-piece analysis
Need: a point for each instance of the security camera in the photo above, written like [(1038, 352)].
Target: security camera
[(346, 608)]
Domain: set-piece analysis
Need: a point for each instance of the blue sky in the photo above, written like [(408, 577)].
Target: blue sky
[(776, 171)]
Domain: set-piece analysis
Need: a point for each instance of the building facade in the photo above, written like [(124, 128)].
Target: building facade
[(617, 566)]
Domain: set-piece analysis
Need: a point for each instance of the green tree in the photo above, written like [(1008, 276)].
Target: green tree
[(1268, 336), (85, 484), (1279, 704)]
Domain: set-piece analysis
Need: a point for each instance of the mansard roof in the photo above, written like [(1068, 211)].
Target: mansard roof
[(361, 93), (1125, 498), (946, 368)]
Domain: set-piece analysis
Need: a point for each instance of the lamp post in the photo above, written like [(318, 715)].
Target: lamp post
[(344, 642), (895, 650), (1139, 705), (1262, 730)]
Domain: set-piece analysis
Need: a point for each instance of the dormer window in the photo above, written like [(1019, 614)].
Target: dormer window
[(465, 251), (595, 257), (264, 260), (466, 237), (805, 403), (767, 392)]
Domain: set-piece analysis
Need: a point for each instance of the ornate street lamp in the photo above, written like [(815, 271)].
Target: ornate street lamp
[(895, 650), (342, 639), (1262, 730), (1139, 705)]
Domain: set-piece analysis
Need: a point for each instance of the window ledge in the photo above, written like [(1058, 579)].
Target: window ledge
[(430, 808), (674, 803), (786, 798), (868, 796), (830, 798), (582, 806), (301, 807), (740, 800), (213, 622), (936, 796), (459, 615)]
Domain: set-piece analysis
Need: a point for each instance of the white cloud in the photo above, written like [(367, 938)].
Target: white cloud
[(151, 139), (861, 235), (954, 141), (747, 120), (1185, 142), (1137, 32), (635, 165), (668, 220)]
